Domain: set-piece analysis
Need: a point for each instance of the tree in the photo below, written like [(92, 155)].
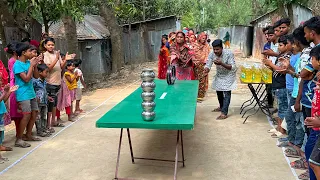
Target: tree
[(108, 13)]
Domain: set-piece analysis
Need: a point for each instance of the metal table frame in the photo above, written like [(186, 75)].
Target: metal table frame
[(179, 139), (259, 96)]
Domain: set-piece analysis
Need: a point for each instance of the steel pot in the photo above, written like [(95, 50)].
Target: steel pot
[(148, 86), (148, 96), (148, 116), (148, 106), (147, 75)]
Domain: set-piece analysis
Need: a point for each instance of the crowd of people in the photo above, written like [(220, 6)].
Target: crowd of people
[(192, 56), (40, 84), (295, 61)]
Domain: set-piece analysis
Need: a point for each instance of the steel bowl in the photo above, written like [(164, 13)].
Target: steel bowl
[(147, 75), (171, 75), (148, 96), (148, 116), (148, 106), (148, 86)]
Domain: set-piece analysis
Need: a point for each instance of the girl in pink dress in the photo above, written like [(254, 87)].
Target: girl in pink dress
[(14, 108)]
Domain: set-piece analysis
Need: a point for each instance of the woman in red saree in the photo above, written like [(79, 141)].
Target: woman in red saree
[(163, 58), (182, 57), (202, 50)]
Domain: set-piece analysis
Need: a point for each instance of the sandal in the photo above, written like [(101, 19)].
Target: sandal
[(304, 176), (221, 117), (3, 160), (216, 110), (272, 131), (4, 148), (51, 130), (32, 139), (277, 135), (299, 164), (292, 153), (42, 134), (283, 144), (58, 125), (22, 144)]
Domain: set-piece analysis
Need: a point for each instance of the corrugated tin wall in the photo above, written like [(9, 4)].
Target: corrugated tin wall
[(240, 36), (95, 56), (300, 14), (146, 47)]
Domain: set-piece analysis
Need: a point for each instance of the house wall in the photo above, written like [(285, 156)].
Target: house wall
[(300, 14), (146, 39), (240, 37), (95, 56)]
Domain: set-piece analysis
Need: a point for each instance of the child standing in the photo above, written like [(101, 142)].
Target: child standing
[(42, 98), (80, 85), (279, 82), (23, 71), (4, 95), (71, 79)]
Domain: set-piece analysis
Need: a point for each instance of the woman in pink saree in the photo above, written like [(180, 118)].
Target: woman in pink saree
[(182, 57)]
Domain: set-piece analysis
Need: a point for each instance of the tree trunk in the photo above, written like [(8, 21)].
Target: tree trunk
[(70, 28), (111, 22), (291, 16)]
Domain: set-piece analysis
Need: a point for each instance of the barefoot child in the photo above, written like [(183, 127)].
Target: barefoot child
[(80, 85), (71, 79), (23, 71), (4, 96)]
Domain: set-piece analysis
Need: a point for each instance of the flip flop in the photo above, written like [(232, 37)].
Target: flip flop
[(4, 148), (277, 135), (304, 176), (292, 153), (221, 117), (22, 144), (32, 139), (3, 160), (299, 164), (272, 131), (58, 125), (216, 110)]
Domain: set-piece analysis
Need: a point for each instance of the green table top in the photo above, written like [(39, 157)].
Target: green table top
[(176, 111)]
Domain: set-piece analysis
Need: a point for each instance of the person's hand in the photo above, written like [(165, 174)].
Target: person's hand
[(318, 75), (40, 58), (217, 61), (70, 56), (58, 54), (297, 106), (206, 71), (312, 122), (34, 61), (6, 88), (285, 63), (38, 100), (268, 52), (50, 99), (14, 88), (265, 61), (76, 74)]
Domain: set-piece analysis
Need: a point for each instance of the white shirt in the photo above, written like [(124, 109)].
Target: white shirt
[(274, 48), (79, 81)]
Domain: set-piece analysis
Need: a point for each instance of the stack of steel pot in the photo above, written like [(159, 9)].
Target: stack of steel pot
[(148, 95)]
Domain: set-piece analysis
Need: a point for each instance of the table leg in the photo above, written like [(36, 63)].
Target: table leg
[(118, 158), (182, 149), (130, 144), (251, 100), (177, 156)]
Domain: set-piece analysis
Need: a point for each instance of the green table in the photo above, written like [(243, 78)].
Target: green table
[(175, 110)]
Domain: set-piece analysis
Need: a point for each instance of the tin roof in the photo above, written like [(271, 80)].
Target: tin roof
[(150, 20), (257, 19), (92, 27)]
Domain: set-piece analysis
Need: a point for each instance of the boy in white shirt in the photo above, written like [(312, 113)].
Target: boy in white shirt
[(81, 85)]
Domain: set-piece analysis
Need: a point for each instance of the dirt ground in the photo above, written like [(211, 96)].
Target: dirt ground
[(215, 149)]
